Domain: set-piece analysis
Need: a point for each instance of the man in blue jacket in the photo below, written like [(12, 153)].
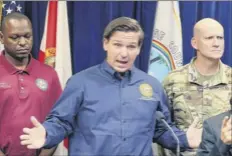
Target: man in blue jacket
[(110, 109)]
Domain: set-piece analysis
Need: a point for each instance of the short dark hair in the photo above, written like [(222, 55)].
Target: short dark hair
[(13, 15), (123, 24)]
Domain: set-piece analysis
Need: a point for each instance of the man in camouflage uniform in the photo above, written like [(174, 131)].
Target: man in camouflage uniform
[(202, 88)]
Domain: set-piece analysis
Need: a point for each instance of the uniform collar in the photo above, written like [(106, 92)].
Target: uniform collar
[(11, 69), (223, 72), (114, 74)]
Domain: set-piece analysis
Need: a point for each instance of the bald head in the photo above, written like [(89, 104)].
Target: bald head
[(13, 15), (206, 24), (208, 39)]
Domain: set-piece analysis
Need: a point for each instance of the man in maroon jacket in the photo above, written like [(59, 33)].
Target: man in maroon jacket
[(27, 87)]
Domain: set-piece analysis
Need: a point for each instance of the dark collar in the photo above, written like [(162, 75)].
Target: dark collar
[(133, 76), (114, 74)]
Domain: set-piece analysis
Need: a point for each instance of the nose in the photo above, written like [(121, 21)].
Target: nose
[(216, 42), (22, 41), (124, 52)]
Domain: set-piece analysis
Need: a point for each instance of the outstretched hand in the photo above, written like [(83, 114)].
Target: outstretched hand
[(34, 138)]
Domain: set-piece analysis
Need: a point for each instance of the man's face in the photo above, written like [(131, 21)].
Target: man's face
[(122, 49), (17, 38), (210, 42)]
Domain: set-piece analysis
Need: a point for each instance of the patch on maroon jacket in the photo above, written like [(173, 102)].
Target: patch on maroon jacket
[(41, 84)]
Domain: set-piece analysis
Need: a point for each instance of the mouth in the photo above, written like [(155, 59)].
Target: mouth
[(23, 51), (216, 50), (122, 63)]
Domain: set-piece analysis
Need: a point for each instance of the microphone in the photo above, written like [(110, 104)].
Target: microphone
[(160, 117)]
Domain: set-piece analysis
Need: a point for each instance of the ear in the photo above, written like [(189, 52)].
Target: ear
[(138, 51), (194, 43), (1, 37), (105, 44)]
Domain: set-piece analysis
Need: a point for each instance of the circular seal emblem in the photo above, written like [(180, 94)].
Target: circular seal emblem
[(41, 84), (146, 90)]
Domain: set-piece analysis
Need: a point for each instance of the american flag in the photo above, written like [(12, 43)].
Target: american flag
[(12, 6)]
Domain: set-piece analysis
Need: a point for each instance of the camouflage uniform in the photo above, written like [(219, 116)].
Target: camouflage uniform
[(193, 95)]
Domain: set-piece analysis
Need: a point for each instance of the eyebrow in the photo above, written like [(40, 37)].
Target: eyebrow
[(214, 35), (115, 40)]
